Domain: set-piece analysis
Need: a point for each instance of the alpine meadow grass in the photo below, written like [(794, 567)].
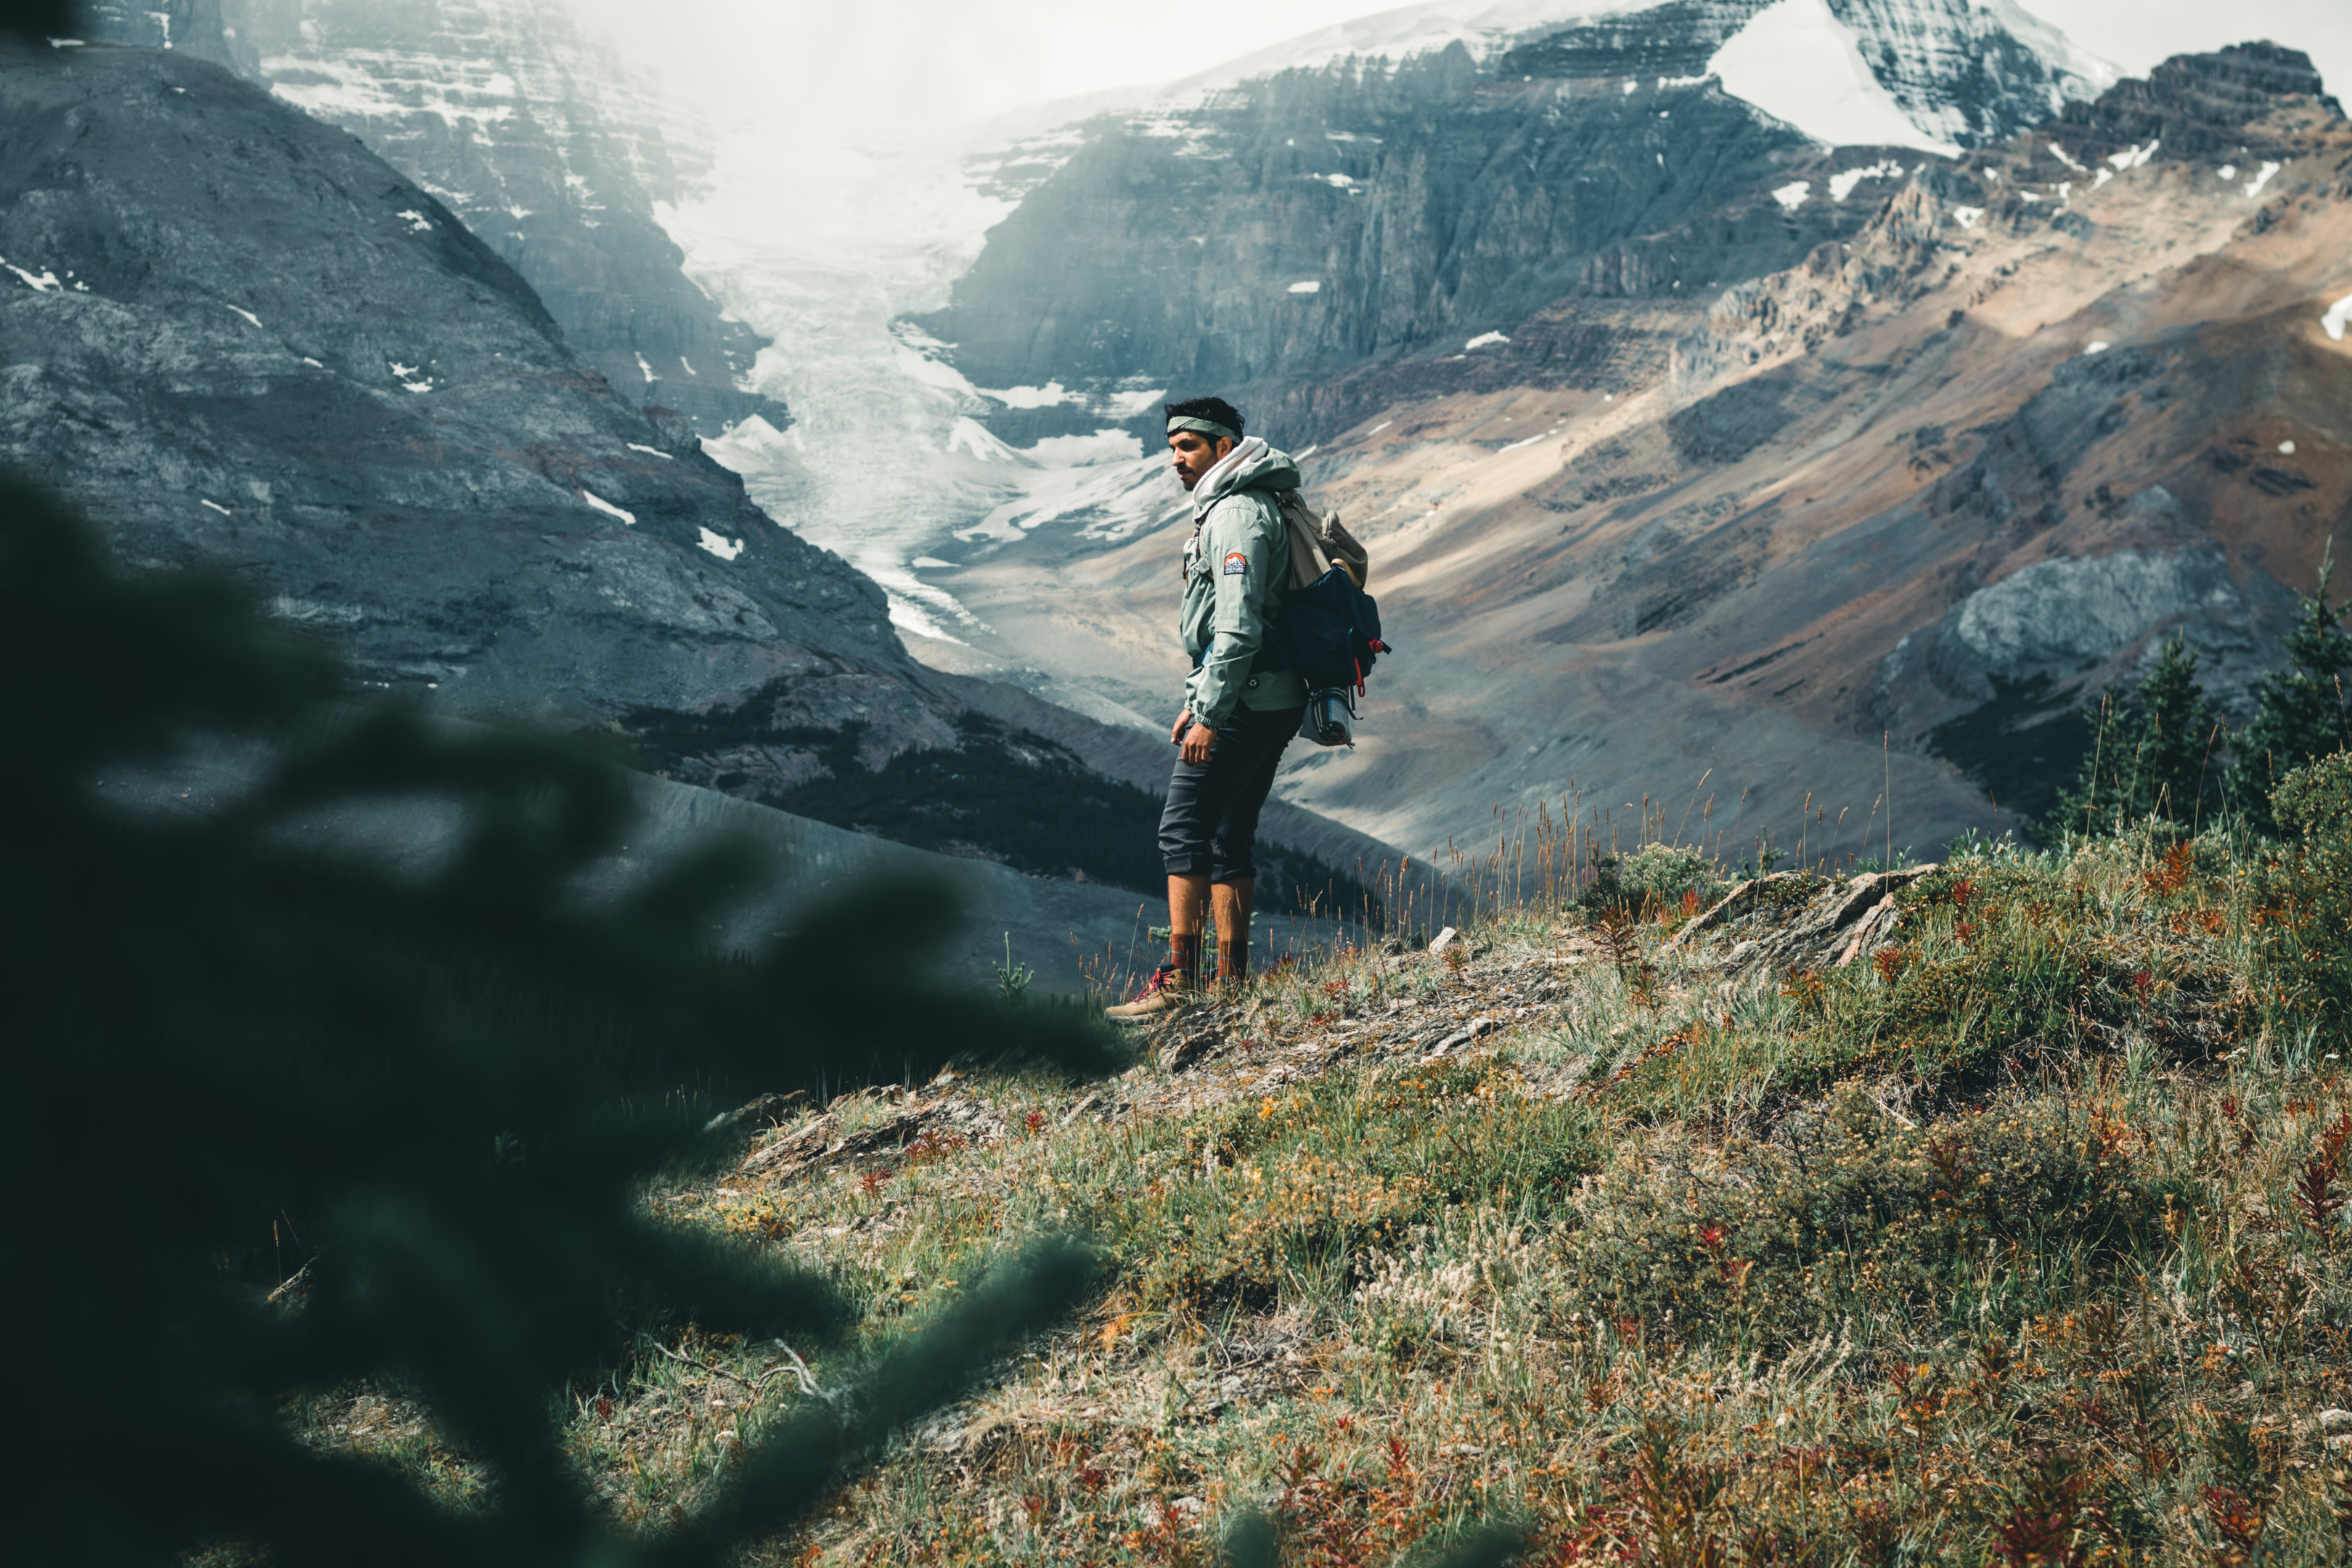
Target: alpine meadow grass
[(2019, 1238)]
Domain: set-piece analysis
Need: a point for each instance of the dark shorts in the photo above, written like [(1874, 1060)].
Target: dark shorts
[(1209, 828)]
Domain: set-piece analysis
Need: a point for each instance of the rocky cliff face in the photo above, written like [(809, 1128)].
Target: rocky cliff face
[(234, 333), (1960, 466), (1304, 224), (531, 133)]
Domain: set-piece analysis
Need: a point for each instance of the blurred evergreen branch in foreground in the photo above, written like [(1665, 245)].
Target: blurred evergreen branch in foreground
[(450, 1085)]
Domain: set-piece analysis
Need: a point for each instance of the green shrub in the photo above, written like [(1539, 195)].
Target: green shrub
[(2156, 753), (2300, 713), (441, 1093), (2306, 932), (1656, 878)]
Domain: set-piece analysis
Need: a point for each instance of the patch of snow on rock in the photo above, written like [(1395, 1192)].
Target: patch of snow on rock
[(1798, 63), (2255, 187), (650, 451), (2339, 317), (217, 507), (1050, 395), (2060, 152), (1966, 217), (607, 508), (2096, 346), (1308, 286), (2287, 448), (417, 221), (968, 435), (41, 284), (1842, 184), (338, 90), (720, 545), (917, 365), (245, 313), (1105, 445), (1484, 339), (1133, 404), (2133, 157), (917, 608)]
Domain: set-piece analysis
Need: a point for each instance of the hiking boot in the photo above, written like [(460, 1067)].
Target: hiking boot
[(1164, 996)]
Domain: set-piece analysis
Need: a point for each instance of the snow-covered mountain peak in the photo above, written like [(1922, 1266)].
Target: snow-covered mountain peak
[(1797, 61), (1935, 75)]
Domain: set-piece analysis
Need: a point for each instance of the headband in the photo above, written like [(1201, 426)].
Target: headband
[(1206, 427)]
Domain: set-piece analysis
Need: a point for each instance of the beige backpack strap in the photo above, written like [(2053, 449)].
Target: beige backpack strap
[(1318, 543), (1308, 560), (1340, 545)]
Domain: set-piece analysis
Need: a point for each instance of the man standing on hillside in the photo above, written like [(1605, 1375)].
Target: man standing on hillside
[(1239, 712)]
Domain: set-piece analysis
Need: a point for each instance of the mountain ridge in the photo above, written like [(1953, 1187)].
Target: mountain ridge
[(1331, 215), (1945, 474)]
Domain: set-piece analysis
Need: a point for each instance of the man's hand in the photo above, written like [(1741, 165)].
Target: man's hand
[(1198, 740), (1183, 722)]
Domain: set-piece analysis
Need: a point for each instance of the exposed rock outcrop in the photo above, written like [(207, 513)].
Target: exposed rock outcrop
[(1793, 921)]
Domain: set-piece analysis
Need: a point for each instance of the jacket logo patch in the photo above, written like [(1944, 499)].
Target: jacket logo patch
[(1237, 563)]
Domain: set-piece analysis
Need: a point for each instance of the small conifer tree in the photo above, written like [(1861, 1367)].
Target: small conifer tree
[(2156, 752), (230, 1014), (2300, 713)]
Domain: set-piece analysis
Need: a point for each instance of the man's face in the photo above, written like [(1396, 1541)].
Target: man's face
[(1195, 455)]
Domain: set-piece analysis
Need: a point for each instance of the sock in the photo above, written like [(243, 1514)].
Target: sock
[(1233, 960), (1184, 953)]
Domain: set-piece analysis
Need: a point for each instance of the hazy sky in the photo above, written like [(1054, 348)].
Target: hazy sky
[(859, 66)]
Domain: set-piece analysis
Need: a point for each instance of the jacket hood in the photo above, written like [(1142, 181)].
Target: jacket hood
[(1251, 464)]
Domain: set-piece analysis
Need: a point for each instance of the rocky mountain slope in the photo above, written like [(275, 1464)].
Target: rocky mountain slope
[(1303, 222), (270, 350), (531, 130), (263, 345), (1852, 527)]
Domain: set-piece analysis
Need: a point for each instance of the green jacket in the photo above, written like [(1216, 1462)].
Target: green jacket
[(1235, 566)]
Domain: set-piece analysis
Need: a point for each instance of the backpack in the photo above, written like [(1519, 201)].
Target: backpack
[(1329, 630)]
